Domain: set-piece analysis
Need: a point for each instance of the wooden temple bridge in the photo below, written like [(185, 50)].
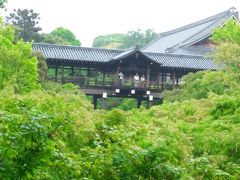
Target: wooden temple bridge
[(97, 71)]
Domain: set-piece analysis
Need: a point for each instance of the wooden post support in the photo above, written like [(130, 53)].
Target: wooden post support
[(150, 101), (88, 74), (72, 71), (148, 76), (162, 80), (173, 79), (139, 102), (63, 79), (117, 79), (79, 76), (95, 102), (158, 80), (104, 98), (104, 75), (56, 74)]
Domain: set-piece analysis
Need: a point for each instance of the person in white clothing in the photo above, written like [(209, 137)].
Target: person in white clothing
[(136, 80), (142, 81)]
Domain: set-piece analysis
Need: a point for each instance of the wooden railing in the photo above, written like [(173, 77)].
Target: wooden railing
[(110, 82)]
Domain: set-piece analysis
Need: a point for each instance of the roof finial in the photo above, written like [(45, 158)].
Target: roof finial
[(233, 9)]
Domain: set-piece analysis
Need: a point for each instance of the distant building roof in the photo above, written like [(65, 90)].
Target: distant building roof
[(175, 41), (96, 55)]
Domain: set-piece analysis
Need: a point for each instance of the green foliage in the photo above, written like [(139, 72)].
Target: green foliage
[(112, 41), (54, 133), (42, 66), (50, 39), (228, 40), (139, 38), (26, 24), (230, 32), (66, 35), (18, 69), (200, 84), (34, 128), (124, 41), (2, 3)]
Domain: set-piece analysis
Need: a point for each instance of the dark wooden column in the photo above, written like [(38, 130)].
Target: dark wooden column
[(95, 102), (63, 78), (88, 74), (162, 80), (177, 79), (72, 70), (104, 75), (117, 79), (56, 74), (148, 76), (79, 76), (158, 80), (139, 102), (173, 79)]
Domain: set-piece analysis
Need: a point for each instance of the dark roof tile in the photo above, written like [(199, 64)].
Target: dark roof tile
[(76, 53)]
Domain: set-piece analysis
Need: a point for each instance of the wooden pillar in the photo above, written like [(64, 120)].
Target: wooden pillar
[(104, 99), (72, 70), (158, 80), (162, 80), (79, 76), (173, 79), (177, 80), (104, 75), (117, 79), (63, 78), (56, 74), (139, 102), (88, 74), (95, 102), (148, 76)]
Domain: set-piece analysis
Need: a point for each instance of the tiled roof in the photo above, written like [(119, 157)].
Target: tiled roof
[(193, 51), (96, 55), (183, 61), (77, 53), (190, 34)]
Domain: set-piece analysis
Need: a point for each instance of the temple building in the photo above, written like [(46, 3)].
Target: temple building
[(192, 39), (136, 73)]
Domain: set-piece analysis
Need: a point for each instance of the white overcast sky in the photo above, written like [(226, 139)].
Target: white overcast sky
[(90, 18)]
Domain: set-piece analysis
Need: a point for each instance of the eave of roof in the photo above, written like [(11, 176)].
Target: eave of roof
[(96, 55), (201, 33)]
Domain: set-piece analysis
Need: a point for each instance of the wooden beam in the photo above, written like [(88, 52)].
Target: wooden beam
[(63, 79), (139, 102), (95, 102), (173, 79), (56, 74), (72, 71), (117, 79), (162, 80), (158, 80), (148, 76), (88, 74), (104, 76)]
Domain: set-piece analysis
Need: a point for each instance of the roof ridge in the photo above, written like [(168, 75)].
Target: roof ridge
[(78, 47), (197, 23), (177, 55), (181, 43), (227, 16), (188, 26)]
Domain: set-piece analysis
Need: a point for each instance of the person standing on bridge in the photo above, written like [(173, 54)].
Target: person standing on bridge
[(136, 80), (120, 76), (142, 81)]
